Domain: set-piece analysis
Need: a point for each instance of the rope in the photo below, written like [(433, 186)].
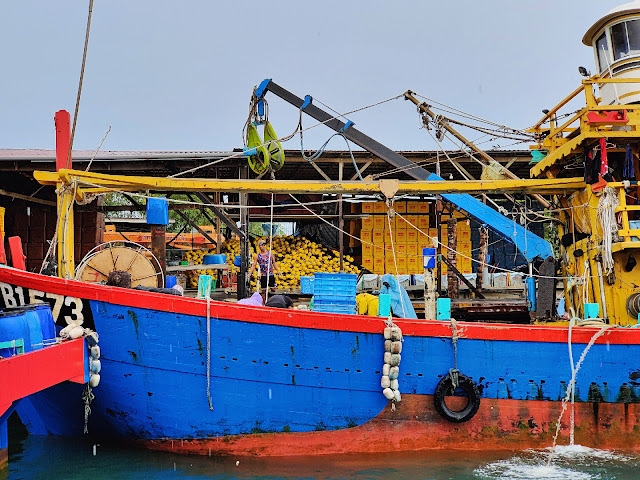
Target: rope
[(390, 212), (453, 372), (98, 149), (208, 294), (570, 392), (87, 398), (606, 214), (288, 137), (458, 168), (84, 61), (269, 267), (200, 204), (470, 116)]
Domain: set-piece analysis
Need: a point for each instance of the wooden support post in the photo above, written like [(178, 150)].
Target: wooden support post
[(340, 220), (65, 230), (430, 308), (159, 248), (438, 206), (243, 200), (452, 243), (340, 234), (462, 278), (482, 256), (218, 242), (196, 226)]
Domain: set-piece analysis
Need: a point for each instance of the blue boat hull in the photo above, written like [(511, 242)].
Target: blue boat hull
[(314, 379)]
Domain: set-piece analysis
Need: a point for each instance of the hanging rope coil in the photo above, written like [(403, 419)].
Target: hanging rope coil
[(606, 214)]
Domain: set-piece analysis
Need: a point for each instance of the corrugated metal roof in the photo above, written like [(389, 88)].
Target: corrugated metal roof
[(14, 154)]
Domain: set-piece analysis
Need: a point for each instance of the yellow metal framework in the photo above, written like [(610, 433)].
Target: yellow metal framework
[(102, 183)]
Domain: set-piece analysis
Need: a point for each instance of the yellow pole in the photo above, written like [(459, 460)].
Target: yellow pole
[(64, 237)]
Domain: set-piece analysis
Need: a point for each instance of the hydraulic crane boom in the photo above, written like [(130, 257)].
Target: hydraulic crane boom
[(529, 244)]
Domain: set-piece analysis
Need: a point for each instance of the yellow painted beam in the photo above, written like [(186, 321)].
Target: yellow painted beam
[(96, 182), (65, 231)]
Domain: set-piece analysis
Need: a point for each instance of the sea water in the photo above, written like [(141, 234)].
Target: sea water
[(52, 458)]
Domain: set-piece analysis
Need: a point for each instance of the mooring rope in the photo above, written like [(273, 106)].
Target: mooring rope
[(208, 293)]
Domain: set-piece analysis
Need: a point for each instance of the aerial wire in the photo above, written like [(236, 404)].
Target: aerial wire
[(84, 61)]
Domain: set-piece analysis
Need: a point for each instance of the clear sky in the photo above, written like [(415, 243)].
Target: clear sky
[(177, 75)]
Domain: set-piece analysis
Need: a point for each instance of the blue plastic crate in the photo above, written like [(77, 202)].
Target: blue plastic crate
[(335, 298), (334, 308), (334, 289), (336, 276), (157, 211), (307, 285)]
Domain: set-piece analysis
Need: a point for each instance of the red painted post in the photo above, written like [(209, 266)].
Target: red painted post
[(63, 137), (17, 255)]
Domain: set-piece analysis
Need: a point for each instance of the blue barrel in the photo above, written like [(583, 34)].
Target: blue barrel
[(170, 281), (530, 283), (14, 326), (35, 325), (47, 324), (384, 305)]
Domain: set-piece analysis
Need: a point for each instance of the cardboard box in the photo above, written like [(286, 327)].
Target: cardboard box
[(414, 265), (367, 207), (378, 236), (367, 223), (380, 222), (367, 262), (389, 265), (388, 236), (423, 222), (402, 264), (412, 249), (412, 219), (423, 207), (401, 248), (464, 247), (464, 235), (400, 207), (412, 236), (413, 206), (465, 265), (366, 235), (401, 224), (379, 207), (401, 236), (367, 250)]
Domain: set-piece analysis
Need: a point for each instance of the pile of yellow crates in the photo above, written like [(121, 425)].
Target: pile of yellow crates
[(377, 234)]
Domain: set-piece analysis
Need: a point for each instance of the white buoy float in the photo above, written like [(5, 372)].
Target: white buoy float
[(392, 358)]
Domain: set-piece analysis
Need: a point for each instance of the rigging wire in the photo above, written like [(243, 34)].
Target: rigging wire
[(285, 138), (84, 61)]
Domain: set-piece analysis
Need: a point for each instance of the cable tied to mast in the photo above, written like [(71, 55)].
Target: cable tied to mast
[(606, 214)]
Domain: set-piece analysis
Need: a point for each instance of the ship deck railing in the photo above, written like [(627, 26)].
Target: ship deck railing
[(560, 140)]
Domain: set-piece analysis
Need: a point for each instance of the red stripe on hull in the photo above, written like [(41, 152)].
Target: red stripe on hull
[(415, 426), (324, 321)]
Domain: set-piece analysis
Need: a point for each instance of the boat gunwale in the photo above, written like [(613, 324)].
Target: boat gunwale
[(308, 319)]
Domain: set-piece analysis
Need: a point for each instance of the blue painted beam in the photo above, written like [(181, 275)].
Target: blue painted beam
[(529, 244)]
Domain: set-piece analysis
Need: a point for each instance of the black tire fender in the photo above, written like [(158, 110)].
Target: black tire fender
[(470, 388)]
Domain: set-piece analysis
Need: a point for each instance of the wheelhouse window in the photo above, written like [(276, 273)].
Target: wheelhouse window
[(603, 52), (625, 37)]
